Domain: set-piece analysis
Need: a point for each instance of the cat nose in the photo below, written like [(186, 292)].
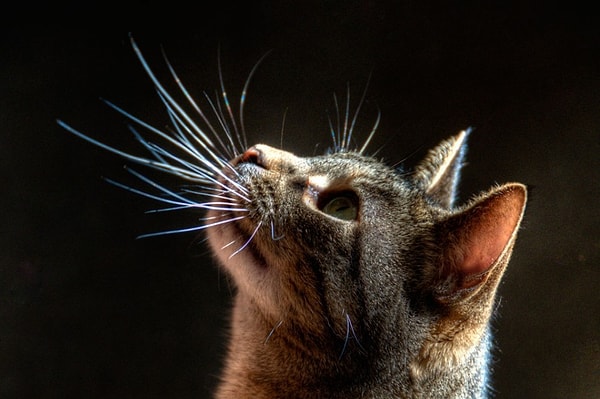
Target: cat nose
[(267, 157), (252, 155)]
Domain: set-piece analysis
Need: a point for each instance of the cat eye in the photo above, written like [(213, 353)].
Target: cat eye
[(343, 206)]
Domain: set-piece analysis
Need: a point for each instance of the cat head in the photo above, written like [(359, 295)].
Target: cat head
[(343, 249)]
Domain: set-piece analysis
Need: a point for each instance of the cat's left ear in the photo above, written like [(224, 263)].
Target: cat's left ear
[(438, 174)]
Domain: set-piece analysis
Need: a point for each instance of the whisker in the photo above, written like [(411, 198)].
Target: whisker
[(349, 324), (175, 109), (344, 146), (215, 206), (174, 208), (228, 245), (243, 97), (333, 134), (373, 130), (347, 338), (201, 172), (177, 144), (191, 204), (160, 187), (195, 106), (183, 205), (247, 241), (165, 93), (208, 194), (216, 109), (357, 111), (273, 331), (188, 175), (282, 129), (338, 143), (226, 102), (349, 330), (189, 229), (179, 125), (274, 236)]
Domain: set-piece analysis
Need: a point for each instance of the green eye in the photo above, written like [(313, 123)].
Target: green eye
[(342, 207)]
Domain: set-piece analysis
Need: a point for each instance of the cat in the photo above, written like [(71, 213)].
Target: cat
[(353, 279)]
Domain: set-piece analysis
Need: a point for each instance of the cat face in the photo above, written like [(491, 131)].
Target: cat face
[(312, 228), (362, 256)]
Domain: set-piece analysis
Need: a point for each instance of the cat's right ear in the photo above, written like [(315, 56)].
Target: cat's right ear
[(438, 174), (477, 243)]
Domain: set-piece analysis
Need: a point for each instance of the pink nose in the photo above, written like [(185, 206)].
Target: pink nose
[(251, 155), (268, 158)]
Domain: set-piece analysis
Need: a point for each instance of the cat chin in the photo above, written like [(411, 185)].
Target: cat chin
[(226, 242), (247, 266)]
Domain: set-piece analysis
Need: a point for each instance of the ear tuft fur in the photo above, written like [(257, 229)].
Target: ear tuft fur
[(439, 173)]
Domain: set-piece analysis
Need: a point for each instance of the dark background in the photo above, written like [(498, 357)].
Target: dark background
[(88, 311)]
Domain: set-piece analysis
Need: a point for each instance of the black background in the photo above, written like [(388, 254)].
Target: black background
[(88, 311)]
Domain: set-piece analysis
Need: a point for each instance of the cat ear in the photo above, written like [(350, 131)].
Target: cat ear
[(476, 246), (477, 243), (438, 174)]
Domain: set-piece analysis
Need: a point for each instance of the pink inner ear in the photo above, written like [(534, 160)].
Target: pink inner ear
[(486, 243), (486, 229)]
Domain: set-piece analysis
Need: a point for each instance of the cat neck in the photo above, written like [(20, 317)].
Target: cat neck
[(268, 359)]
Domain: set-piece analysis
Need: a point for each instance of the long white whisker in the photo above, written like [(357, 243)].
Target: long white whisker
[(368, 140), (208, 194), (159, 187), (173, 208), (180, 124), (178, 144), (338, 142), (197, 145), (173, 105), (243, 97), (357, 111), (282, 129), (347, 338), (196, 228), (195, 105), (184, 204), (198, 173), (227, 105), (204, 205), (216, 207), (346, 117), (247, 241), (166, 94), (231, 149), (185, 174)]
